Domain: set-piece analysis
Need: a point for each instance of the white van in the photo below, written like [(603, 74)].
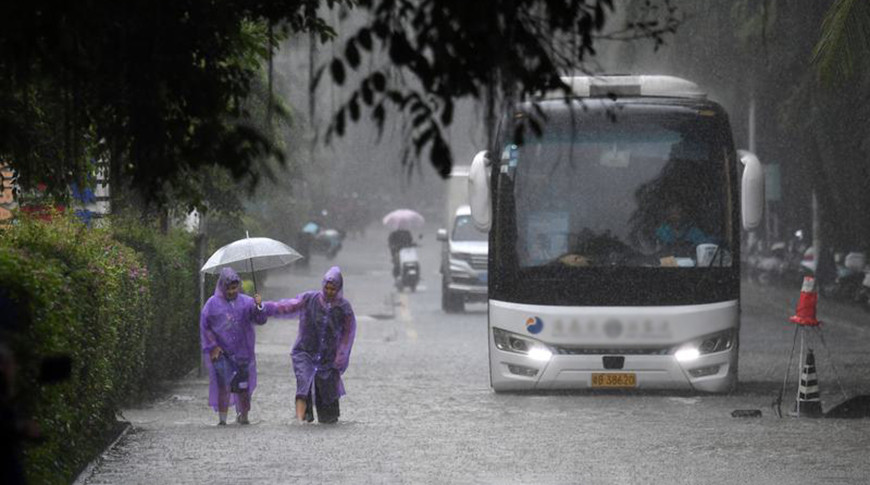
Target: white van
[(464, 275)]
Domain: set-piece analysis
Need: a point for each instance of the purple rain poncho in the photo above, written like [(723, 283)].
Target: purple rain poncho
[(229, 324), (326, 333)]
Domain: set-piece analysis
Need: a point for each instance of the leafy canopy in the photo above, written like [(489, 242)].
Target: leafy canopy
[(481, 49), (158, 88)]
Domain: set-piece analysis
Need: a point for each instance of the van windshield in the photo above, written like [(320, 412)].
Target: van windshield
[(464, 230)]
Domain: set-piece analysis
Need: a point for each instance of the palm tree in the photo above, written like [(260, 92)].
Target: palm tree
[(844, 40)]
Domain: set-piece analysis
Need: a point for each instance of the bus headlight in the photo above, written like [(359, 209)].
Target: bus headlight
[(511, 342), (687, 354), (708, 344)]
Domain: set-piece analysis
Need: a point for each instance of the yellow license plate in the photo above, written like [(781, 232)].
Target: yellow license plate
[(622, 379)]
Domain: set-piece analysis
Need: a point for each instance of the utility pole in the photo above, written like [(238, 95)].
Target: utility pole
[(312, 105), (817, 230), (752, 122), (201, 247), (307, 190)]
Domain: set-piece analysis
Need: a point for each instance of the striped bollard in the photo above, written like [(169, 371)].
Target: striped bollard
[(808, 402)]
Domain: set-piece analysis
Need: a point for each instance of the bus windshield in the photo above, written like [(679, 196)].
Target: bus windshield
[(645, 190)]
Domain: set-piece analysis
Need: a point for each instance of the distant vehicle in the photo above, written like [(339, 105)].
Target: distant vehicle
[(409, 268), (464, 275), (585, 292), (864, 295), (316, 239)]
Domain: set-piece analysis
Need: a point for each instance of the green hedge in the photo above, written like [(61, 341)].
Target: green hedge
[(84, 293), (173, 269)]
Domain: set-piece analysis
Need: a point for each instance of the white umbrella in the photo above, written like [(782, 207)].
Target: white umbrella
[(403, 219), (251, 254)]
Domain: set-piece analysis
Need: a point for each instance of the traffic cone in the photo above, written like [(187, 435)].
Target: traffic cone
[(806, 308), (808, 403)]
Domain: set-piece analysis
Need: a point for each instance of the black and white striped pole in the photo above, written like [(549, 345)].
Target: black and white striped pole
[(808, 402)]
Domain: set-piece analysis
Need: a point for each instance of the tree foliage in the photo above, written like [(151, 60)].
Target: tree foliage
[(844, 43), (440, 51), (162, 89), (776, 55), (157, 88)]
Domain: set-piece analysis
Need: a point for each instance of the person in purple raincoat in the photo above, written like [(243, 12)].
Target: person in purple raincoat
[(227, 335), (327, 327)]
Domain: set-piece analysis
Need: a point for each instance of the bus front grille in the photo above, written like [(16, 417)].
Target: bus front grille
[(562, 350)]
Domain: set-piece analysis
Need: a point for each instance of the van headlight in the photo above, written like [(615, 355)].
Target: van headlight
[(518, 344), (708, 344)]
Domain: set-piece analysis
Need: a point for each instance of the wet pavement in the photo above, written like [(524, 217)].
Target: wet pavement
[(419, 407)]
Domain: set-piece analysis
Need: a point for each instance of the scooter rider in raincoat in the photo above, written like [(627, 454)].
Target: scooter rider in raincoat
[(398, 239)]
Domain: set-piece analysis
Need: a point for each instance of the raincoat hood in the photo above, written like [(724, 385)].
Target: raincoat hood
[(333, 275), (227, 277)]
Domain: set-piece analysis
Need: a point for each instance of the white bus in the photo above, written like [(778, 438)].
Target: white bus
[(614, 238)]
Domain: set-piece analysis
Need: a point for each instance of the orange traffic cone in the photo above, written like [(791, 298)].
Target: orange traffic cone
[(806, 308), (808, 403)]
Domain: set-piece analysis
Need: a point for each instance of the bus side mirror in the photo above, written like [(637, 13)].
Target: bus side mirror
[(751, 190), (479, 196)]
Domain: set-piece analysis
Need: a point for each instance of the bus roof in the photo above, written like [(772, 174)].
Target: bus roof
[(459, 171), (623, 85)]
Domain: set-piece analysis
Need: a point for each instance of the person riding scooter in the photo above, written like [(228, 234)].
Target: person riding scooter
[(409, 268), (398, 239)]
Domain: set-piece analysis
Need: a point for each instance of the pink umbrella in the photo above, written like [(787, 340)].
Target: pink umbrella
[(403, 219)]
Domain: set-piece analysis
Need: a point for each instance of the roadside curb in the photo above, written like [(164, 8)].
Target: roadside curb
[(88, 472)]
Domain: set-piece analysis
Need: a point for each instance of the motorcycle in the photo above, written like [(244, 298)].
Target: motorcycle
[(784, 263), (848, 284), (409, 269), (864, 294), (328, 242), (768, 267)]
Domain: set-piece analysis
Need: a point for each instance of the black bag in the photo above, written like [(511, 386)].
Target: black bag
[(239, 382), (225, 368)]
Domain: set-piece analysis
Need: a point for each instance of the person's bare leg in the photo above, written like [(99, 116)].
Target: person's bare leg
[(300, 410), (244, 406), (223, 406)]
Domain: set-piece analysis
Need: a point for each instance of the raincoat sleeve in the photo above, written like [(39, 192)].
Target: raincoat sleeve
[(697, 236), (256, 314), (206, 335), (342, 353), (285, 308), (665, 234)]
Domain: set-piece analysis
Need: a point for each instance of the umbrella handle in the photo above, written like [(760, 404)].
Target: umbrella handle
[(253, 275)]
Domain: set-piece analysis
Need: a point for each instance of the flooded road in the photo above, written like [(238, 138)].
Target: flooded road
[(419, 408)]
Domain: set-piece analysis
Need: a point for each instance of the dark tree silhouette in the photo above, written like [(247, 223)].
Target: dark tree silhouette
[(492, 50), (161, 89)]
